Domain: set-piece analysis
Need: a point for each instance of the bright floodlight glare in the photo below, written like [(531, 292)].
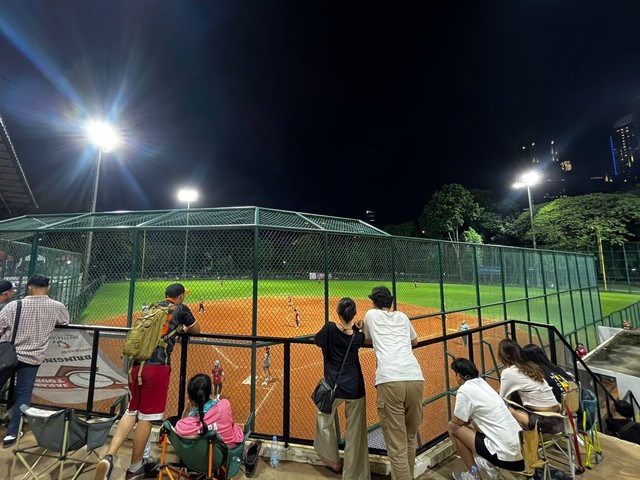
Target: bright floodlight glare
[(530, 178), (187, 195), (101, 134), (519, 185)]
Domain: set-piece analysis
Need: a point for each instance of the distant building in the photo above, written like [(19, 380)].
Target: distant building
[(625, 150), (370, 216), (554, 170)]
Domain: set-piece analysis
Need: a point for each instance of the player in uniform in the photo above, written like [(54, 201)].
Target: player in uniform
[(266, 365), (290, 302), (297, 318), (201, 309)]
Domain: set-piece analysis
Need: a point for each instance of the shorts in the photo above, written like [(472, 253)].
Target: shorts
[(149, 400), (481, 449)]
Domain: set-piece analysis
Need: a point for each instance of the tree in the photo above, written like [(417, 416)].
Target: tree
[(471, 236), (576, 222), (407, 229), (448, 211)]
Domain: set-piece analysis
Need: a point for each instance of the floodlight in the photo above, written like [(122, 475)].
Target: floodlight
[(102, 134), (530, 178), (187, 195)]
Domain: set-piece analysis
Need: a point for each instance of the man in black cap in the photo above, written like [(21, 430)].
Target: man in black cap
[(38, 317), (6, 292), (148, 401)]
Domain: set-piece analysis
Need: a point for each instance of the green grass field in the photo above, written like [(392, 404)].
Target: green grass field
[(112, 298)]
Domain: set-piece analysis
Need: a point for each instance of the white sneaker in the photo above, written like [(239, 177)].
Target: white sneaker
[(463, 476), (264, 383), (483, 464)]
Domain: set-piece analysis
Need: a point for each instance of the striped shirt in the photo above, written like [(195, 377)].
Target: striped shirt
[(38, 318)]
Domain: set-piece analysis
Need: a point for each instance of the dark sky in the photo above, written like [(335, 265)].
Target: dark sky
[(323, 107)]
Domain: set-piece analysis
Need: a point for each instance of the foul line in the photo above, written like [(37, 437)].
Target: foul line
[(225, 357), (266, 396)]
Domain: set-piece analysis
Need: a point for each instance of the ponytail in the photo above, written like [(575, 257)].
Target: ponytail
[(201, 401), (199, 389)]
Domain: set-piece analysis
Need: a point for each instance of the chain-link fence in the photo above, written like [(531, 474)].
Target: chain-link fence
[(278, 274), (619, 267)]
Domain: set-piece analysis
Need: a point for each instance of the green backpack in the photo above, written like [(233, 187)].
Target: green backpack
[(145, 336)]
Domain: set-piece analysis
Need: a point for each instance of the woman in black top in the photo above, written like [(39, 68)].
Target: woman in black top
[(334, 340)]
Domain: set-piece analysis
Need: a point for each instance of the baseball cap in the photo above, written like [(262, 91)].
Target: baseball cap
[(175, 290), (5, 286)]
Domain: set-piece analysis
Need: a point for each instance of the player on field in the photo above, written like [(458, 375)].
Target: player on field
[(290, 302), (201, 309), (297, 318), (266, 365)]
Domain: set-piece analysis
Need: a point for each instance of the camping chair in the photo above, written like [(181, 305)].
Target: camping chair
[(206, 455), (533, 453), (588, 427), (58, 431)]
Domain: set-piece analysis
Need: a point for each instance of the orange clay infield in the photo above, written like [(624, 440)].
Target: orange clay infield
[(276, 319)]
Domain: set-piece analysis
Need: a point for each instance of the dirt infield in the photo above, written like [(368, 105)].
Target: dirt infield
[(275, 318)]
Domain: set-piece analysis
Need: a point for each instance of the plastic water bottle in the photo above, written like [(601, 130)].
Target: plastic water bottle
[(475, 474), (274, 452)]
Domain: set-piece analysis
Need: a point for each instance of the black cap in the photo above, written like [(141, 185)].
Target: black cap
[(174, 290), (5, 286), (38, 281)]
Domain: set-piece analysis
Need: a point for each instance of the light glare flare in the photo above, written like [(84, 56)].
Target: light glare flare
[(102, 135), (188, 195)]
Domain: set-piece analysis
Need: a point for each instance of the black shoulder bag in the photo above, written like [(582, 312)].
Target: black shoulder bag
[(324, 395), (8, 356)]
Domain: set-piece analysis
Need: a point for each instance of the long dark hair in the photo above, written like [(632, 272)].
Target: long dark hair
[(199, 390), (536, 355), (510, 353), (346, 309)]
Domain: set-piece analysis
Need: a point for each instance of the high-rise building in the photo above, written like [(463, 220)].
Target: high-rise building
[(625, 149), (554, 171), (371, 216)]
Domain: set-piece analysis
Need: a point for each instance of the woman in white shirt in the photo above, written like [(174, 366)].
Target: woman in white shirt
[(496, 440), (527, 380)]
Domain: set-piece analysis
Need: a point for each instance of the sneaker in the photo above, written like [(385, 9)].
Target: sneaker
[(10, 440), (463, 476), (104, 468), (218, 397), (149, 465), (483, 464)]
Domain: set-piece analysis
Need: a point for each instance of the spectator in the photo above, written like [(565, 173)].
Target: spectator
[(527, 380), (7, 290), (38, 317), (625, 428), (399, 381), (559, 380), (148, 400), (581, 351), (203, 412), (334, 339), (496, 441), (266, 365), (217, 375)]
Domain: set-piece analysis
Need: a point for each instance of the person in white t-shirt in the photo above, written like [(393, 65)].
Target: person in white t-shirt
[(496, 440), (399, 381), (526, 379)]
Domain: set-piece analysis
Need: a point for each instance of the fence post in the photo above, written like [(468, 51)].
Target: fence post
[(286, 395), (526, 291), (555, 270), (92, 372), (544, 287), (134, 275), (626, 267), (393, 275), (254, 322), (326, 277), (478, 300), (505, 314), (444, 329), (182, 385), (33, 259), (573, 309)]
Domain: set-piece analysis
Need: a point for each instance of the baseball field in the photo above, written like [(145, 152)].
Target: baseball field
[(228, 309)]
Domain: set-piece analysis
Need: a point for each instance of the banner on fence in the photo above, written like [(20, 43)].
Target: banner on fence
[(63, 377)]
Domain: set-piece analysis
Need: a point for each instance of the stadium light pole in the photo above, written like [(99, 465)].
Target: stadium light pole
[(187, 195), (104, 136), (528, 180)]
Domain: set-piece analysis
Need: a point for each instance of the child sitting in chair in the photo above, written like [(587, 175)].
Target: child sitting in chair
[(203, 413)]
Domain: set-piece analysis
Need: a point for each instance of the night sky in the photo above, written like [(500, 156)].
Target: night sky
[(322, 107)]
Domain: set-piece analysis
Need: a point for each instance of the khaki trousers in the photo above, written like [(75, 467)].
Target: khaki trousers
[(356, 450), (399, 407)]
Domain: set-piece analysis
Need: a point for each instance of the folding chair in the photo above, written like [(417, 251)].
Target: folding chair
[(533, 453), (588, 427), (58, 431), (207, 456)]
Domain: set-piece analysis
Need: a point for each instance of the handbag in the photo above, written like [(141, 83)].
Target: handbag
[(8, 356), (324, 394)]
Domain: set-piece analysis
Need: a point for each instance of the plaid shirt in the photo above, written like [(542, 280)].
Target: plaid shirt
[(38, 317)]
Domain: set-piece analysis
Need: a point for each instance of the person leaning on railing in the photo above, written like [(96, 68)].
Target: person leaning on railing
[(559, 380), (334, 339), (527, 380)]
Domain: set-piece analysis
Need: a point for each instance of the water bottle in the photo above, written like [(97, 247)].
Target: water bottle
[(274, 452), (475, 474)]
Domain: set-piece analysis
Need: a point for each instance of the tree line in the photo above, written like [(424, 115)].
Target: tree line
[(569, 223)]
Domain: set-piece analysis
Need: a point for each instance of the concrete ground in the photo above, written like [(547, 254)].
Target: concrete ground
[(621, 460)]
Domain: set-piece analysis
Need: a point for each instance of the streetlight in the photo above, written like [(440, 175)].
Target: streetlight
[(102, 135), (187, 195), (528, 180)]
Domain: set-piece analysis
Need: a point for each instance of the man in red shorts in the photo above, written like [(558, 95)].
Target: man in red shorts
[(148, 400)]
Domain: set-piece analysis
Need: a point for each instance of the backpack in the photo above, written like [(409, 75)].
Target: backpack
[(145, 336)]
